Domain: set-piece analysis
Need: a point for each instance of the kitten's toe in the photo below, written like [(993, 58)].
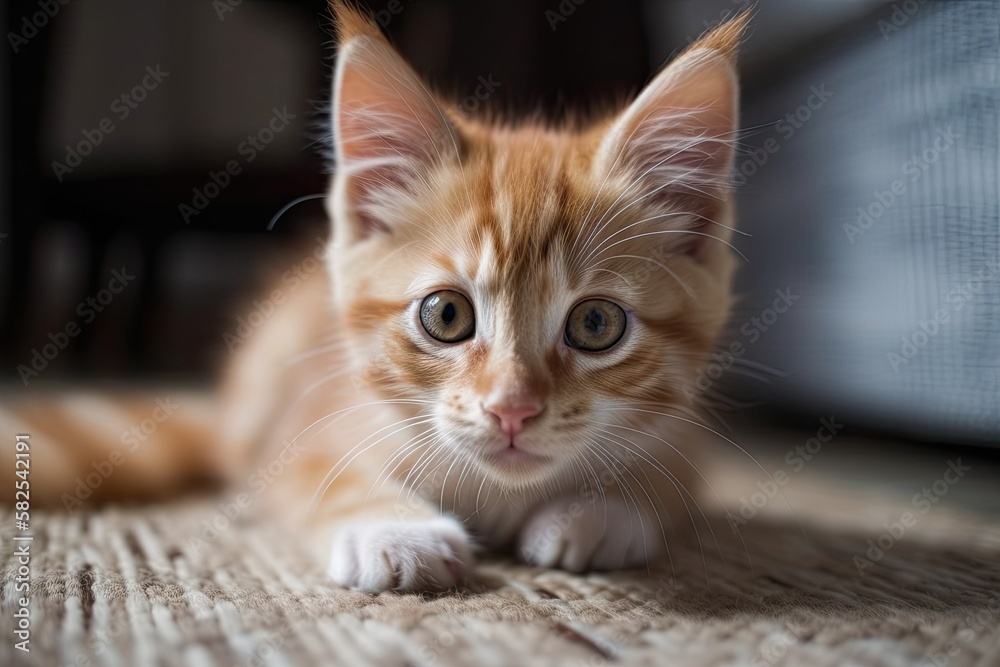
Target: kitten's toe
[(426, 555), (578, 536)]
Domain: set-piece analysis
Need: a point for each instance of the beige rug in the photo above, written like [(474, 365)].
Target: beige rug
[(130, 587)]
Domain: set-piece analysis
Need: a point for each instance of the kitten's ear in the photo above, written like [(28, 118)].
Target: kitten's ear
[(387, 127), (679, 135)]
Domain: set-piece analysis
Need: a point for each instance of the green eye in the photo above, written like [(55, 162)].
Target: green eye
[(447, 316), (595, 325)]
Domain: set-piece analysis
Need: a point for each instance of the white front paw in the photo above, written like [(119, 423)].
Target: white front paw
[(580, 536), (418, 555)]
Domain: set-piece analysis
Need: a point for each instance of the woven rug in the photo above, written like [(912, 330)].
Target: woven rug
[(120, 586)]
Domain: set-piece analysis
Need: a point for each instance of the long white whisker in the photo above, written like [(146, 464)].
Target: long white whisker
[(408, 448), (687, 288), (325, 485), (340, 414), (791, 508), (675, 482), (598, 449), (680, 231)]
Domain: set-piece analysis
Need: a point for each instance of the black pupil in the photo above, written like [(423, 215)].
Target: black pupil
[(448, 313), (595, 322)]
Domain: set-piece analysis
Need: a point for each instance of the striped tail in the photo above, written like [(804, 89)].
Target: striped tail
[(85, 448)]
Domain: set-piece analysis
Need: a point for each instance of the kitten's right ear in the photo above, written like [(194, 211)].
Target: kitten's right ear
[(387, 127), (678, 138)]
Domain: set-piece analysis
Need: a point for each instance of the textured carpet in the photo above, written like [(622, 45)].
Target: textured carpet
[(132, 587)]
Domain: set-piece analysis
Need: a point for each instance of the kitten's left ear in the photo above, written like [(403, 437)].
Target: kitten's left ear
[(387, 127), (678, 136)]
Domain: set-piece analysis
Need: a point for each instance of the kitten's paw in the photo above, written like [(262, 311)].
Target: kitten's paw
[(419, 555), (580, 536)]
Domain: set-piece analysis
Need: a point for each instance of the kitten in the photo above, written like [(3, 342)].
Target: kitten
[(524, 307), (500, 350)]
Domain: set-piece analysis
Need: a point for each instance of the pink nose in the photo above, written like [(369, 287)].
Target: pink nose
[(511, 415)]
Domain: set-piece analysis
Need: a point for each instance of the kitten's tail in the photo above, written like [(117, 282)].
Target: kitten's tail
[(76, 449)]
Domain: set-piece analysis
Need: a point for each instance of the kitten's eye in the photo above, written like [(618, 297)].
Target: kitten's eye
[(447, 316), (595, 325)]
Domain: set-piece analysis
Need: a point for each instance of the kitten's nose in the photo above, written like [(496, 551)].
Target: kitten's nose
[(511, 413)]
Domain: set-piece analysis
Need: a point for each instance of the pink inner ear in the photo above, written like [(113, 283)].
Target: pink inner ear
[(685, 158), (677, 141), (681, 153), (388, 127), (383, 114), (680, 132)]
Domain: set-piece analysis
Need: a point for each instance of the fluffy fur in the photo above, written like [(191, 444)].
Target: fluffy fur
[(397, 454)]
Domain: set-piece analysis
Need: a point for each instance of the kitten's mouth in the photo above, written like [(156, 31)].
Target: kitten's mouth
[(514, 453), (516, 456)]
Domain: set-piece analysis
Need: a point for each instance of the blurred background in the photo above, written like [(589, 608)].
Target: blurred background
[(147, 145)]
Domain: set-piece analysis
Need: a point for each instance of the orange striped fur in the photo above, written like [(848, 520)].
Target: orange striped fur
[(381, 430), (87, 448)]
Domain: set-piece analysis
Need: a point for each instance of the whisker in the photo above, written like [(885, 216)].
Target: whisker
[(480, 493), (652, 506), (408, 448), (681, 231), (611, 169), (788, 504), (469, 461), (626, 489), (325, 485), (699, 473), (603, 244), (759, 366), (637, 181), (340, 414), (315, 352), (289, 205), (687, 288), (687, 182)]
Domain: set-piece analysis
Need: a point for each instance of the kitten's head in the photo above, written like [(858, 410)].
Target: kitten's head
[(527, 286)]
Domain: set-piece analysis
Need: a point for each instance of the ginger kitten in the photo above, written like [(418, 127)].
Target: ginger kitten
[(524, 306), (500, 350)]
